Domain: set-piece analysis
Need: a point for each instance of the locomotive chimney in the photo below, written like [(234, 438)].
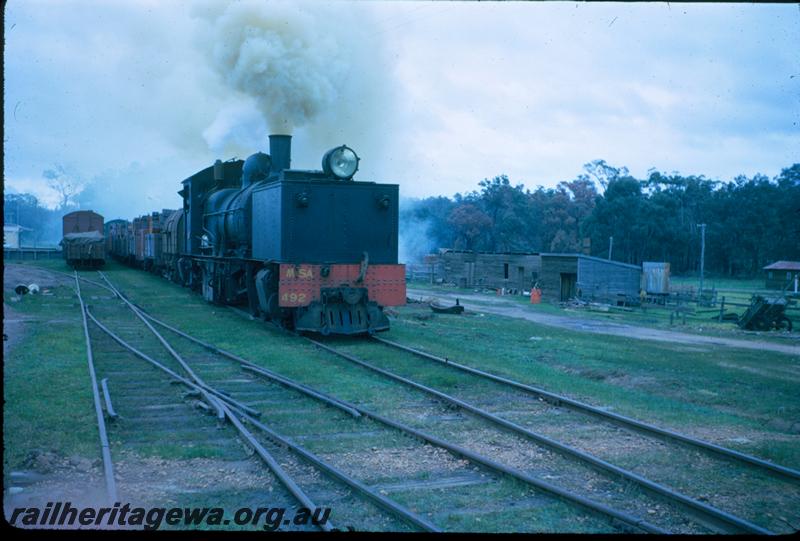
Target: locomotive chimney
[(280, 151)]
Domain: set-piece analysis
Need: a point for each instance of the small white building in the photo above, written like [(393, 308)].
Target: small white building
[(11, 234)]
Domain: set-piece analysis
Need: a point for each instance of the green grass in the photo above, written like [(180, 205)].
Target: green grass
[(655, 381), (46, 386), (659, 382), (673, 385), (676, 386)]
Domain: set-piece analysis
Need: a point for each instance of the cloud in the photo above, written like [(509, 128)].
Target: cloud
[(535, 91), (137, 95)]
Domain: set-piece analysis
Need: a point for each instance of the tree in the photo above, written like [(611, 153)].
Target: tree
[(604, 173), (751, 222), (64, 184), (24, 209), (469, 223)]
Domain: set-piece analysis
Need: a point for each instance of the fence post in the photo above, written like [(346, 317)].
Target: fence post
[(721, 308)]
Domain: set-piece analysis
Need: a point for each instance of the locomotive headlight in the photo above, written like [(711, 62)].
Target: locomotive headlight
[(341, 162)]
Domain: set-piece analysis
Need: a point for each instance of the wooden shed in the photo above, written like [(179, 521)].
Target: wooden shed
[(566, 276), (513, 271), (782, 274)]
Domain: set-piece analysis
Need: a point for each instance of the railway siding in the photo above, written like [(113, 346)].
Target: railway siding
[(447, 490)]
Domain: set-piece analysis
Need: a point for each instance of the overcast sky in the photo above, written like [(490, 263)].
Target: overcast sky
[(132, 94)]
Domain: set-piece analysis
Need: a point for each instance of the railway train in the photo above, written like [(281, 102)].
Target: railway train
[(83, 243), (310, 250)]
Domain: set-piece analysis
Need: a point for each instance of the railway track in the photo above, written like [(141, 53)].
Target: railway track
[(538, 415), (620, 420), (467, 461), (275, 450), (702, 513), (706, 515), (709, 516)]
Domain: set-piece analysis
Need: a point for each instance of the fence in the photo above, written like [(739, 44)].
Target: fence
[(19, 254)]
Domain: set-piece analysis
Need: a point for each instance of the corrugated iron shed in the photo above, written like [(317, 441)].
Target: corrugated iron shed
[(568, 275)]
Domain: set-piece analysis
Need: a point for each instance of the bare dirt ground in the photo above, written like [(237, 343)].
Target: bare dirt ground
[(510, 309), (27, 274), (13, 321)]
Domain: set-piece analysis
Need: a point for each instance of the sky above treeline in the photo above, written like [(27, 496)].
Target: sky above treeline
[(133, 96)]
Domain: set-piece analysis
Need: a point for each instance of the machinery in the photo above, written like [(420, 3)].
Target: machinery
[(311, 250), (766, 313)]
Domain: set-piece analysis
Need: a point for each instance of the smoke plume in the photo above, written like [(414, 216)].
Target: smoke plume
[(142, 94), (296, 62)]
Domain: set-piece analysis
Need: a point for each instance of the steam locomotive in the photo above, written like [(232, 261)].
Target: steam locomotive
[(311, 250)]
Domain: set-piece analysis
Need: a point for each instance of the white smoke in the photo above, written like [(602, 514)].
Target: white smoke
[(415, 240), (173, 86), (296, 61), (237, 125)]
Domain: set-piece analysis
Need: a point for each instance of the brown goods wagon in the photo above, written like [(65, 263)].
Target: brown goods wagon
[(82, 221), (84, 249)]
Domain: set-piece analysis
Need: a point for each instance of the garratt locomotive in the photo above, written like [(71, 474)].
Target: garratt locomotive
[(312, 250)]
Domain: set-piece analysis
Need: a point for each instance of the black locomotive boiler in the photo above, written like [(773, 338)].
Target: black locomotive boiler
[(313, 250)]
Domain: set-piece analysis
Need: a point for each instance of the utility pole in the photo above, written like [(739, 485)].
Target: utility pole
[(702, 254), (610, 246)]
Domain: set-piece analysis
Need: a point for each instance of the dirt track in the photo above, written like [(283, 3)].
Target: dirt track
[(512, 309)]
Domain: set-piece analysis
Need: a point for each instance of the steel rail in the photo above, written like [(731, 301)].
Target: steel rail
[(175, 355), (293, 487), (382, 501), (707, 514), (220, 405), (475, 458), (107, 398), (108, 465), (704, 513), (260, 370), (320, 396), (211, 395), (622, 420), (161, 339), (332, 470), (455, 449), (88, 281)]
